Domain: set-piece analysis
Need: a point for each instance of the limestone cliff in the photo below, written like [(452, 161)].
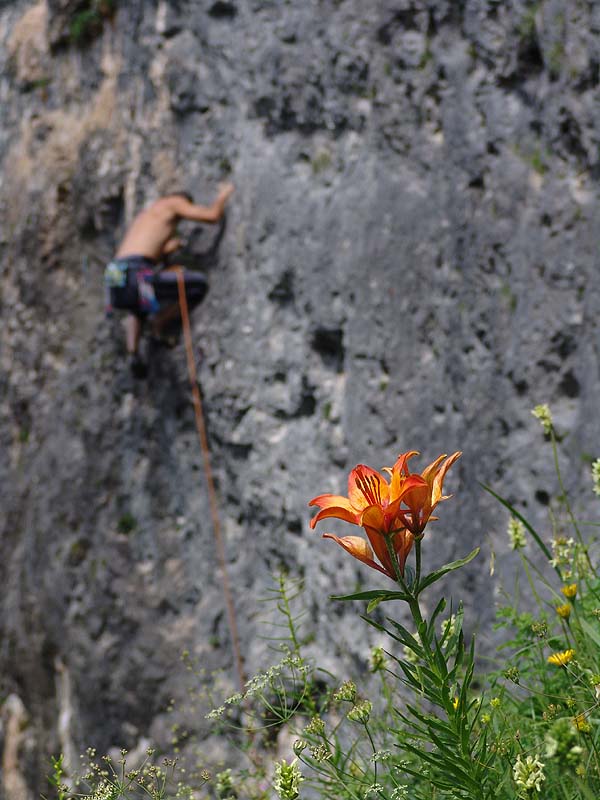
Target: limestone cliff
[(410, 261)]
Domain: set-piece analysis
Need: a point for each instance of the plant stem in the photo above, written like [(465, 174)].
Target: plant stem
[(284, 608), (417, 563), (565, 497), (395, 564), (529, 579)]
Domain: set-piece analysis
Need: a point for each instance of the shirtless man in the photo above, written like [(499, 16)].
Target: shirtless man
[(131, 277)]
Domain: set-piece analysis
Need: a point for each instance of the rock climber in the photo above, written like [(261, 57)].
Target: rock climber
[(133, 279)]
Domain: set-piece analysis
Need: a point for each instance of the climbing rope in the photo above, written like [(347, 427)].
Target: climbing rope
[(212, 493)]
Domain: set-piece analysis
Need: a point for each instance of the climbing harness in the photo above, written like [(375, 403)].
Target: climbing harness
[(212, 493)]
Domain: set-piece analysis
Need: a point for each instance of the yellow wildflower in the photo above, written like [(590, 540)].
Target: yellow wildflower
[(581, 723), (564, 611), (569, 591), (561, 659), (455, 703)]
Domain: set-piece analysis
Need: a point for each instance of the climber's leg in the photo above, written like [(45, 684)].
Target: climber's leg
[(165, 288)]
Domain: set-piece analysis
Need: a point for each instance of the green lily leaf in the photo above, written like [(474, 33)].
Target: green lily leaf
[(372, 604), (590, 631), (409, 578), (374, 597), (439, 573)]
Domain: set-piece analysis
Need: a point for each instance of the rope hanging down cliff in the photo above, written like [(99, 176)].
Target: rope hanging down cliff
[(212, 494)]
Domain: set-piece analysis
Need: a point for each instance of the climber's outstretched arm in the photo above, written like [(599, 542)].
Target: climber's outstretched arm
[(197, 213)]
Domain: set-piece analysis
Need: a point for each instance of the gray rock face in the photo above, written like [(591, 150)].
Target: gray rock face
[(410, 261)]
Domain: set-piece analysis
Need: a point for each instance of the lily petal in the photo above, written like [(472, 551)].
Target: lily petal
[(399, 473), (339, 512), (432, 468), (367, 487), (359, 549), (436, 494), (402, 460), (325, 500), (333, 505), (374, 523)]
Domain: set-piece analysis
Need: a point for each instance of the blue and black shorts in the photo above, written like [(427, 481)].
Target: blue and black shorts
[(132, 283)]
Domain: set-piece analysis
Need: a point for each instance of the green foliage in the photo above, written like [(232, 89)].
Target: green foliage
[(426, 57), (321, 161), (538, 161), (88, 21), (107, 780), (536, 156), (509, 297), (224, 785), (127, 523), (41, 83), (427, 726), (57, 776), (77, 552), (526, 26)]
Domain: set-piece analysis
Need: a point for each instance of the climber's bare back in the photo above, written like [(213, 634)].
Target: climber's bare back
[(152, 232)]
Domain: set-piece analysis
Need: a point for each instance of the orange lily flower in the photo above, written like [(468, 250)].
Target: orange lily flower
[(376, 505), (422, 499)]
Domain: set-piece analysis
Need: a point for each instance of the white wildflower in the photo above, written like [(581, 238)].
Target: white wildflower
[(528, 775), (287, 780), (544, 415), (448, 626), (361, 712), (596, 477), (516, 534), (562, 554), (410, 654), (381, 755), (216, 713)]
